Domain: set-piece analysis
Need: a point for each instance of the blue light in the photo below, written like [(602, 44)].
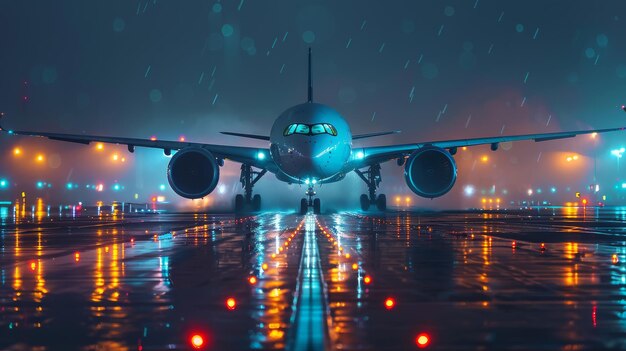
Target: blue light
[(360, 155), (623, 185), (314, 181), (69, 186), (307, 181), (3, 183), (261, 155), (116, 187), (553, 190), (39, 185), (162, 187)]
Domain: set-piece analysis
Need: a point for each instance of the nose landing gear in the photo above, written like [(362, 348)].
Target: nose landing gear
[(248, 178), (372, 178), (315, 203)]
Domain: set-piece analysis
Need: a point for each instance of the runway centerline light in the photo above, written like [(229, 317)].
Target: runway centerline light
[(422, 340), (197, 341)]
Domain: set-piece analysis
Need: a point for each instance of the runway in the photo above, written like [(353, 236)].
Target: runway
[(550, 278)]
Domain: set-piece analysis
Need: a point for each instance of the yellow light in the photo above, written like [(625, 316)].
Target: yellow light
[(39, 158), (407, 199), (367, 279), (575, 157), (464, 148), (615, 259), (594, 135), (17, 151), (355, 266), (484, 158), (390, 303), (252, 280), (264, 266), (569, 159), (115, 157), (99, 146)]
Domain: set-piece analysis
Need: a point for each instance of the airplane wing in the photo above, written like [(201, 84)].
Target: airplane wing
[(366, 156), (256, 157)]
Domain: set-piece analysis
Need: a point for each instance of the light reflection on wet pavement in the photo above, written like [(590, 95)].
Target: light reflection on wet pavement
[(545, 279)]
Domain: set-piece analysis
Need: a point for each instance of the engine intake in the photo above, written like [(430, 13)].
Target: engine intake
[(193, 173), (430, 172)]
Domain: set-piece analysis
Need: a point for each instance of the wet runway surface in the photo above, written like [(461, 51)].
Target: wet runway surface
[(542, 279)]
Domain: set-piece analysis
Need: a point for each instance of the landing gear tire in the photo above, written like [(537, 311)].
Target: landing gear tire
[(317, 206), (381, 202), (256, 202), (239, 203), (304, 206), (365, 202)]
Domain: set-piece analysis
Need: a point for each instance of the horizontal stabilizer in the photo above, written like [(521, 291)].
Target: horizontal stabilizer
[(363, 136), (251, 136)]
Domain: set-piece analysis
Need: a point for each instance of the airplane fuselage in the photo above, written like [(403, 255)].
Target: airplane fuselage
[(310, 142)]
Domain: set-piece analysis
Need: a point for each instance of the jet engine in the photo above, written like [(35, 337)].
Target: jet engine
[(430, 172), (193, 172)]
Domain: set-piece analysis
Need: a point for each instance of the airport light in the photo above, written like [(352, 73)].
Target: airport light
[(231, 304), (17, 151), (422, 340), (40, 158), (99, 146), (367, 279), (618, 154), (4, 184), (390, 303), (40, 184), (484, 159), (360, 155), (260, 155), (197, 341), (615, 259), (252, 280), (181, 138)]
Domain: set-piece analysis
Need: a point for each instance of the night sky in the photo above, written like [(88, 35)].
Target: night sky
[(433, 69)]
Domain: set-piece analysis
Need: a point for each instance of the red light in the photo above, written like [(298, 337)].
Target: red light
[(367, 279), (231, 303), (422, 340), (33, 266), (197, 341), (543, 246), (77, 257), (390, 303), (252, 280)]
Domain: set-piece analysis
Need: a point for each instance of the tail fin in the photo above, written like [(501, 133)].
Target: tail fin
[(310, 83)]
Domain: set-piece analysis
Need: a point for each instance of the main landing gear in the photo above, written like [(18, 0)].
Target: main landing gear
[(248, 178), (372, 178), (315, 203)]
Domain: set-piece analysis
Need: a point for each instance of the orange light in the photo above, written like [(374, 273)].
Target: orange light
[(231, 303), (264, 266), (355, 266), (584, 202), (422, 340), (367, 279), (514, 244), (197, 341), (484, 158), (17, 151), (569, 159), (99, 146), (390, 303), (39, 158), (252, 280), (347, 255), (182, 138), (543, 246), (153, 138), (594, 135), (615, 259), (77, 257), (33, 265)]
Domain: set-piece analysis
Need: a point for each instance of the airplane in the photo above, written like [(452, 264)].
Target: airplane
[(310, 144)]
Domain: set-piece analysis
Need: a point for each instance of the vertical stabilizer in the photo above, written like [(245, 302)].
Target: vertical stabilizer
[(310, 99)]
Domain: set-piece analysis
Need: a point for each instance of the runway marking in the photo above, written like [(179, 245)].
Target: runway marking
[(309, 332)]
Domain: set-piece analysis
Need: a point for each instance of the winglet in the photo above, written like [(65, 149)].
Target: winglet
[(310, 97), (1, 116)]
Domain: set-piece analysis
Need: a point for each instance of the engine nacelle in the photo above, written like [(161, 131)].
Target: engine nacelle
[(430, 172), (193, 172)]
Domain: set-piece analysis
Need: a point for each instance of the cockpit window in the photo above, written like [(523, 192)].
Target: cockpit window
[(310, 129)]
